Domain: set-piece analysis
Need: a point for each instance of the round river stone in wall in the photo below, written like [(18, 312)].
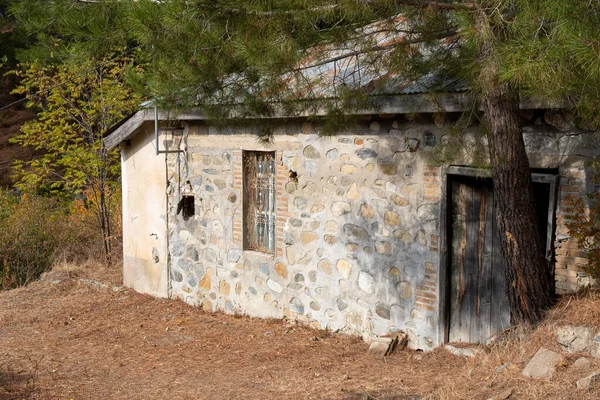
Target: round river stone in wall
[(295, 222), (349, 169), (192, 280), (296, 305), (346, 180), (325, 266), (291, 187), (405, 290), (224, 287), (352, 246), (388, 168), (331, 226), (356, 232), (281, 270), (366, 211), (330, 239), (383, 247), (399, 200), (344, 268), (317, 208), (382, 310), (176, 276), (311, 152), (210, 255), (290, 255), (300, 202), (192, 253), (403, 235), (352, 193), (309, 188), (199, 270), (332, 154), (306, 237), (315, 306), (339, 208), (341, 304), (366, 153), (392, 218), (274, 286), (366, 282)]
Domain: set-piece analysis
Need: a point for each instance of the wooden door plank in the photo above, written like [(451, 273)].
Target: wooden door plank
[(474, 288), (485, 248), (467, 316), (454, 240), (460, 305)]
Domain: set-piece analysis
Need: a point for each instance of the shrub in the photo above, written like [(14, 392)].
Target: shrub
[(585, 225), (30, 233), (38, 231)]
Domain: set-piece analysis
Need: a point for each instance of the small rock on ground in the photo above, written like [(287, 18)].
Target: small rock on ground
[(542, 365), (581, 363), (503, 395), (574, 339), (469, 352), (590, 382)]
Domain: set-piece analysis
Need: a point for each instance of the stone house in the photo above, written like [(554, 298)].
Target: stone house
[(359, 232)]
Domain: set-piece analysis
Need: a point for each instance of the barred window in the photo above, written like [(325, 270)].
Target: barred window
[(259, 201)]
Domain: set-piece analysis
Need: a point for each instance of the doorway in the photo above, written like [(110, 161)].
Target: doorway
[(476, 295)]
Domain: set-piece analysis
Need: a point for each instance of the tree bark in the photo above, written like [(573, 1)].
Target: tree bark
[(529, 280)]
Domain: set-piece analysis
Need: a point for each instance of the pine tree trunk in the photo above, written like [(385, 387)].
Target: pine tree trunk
[(529, 280), (530, 284)]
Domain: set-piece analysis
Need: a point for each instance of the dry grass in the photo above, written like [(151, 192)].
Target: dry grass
[(61, 338)]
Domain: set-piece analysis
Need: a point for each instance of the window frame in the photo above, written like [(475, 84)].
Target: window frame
[(259, 221)]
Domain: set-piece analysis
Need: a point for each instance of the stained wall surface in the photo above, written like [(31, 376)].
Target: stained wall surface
[(144, 222)]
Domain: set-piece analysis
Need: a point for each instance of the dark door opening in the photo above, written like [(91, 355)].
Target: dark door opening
[(478, 305)]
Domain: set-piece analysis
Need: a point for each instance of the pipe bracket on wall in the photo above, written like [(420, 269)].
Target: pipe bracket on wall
[(156, 131)]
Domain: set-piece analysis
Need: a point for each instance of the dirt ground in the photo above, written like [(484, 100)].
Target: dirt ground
[(69, 337)]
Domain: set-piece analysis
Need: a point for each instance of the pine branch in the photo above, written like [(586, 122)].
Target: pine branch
[(378, 48), (438, 5)]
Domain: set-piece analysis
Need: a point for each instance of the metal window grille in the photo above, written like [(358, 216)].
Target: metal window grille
[(259, 201)]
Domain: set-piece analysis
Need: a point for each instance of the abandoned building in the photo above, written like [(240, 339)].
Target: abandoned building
[(357, 232)]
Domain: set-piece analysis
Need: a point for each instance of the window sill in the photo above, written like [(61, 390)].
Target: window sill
[(258, 256)]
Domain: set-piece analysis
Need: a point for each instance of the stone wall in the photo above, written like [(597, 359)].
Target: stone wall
[(358, 234)]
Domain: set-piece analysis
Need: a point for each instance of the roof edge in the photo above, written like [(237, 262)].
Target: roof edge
[(389, 104)]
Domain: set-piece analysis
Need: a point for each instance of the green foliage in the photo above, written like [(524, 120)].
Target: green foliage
[(585, 226), (76, 104)]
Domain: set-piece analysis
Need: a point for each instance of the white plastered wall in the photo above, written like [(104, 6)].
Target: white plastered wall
[(144, 225)]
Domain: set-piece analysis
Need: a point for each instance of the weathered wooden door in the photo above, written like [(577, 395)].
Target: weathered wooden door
[(478, 302)]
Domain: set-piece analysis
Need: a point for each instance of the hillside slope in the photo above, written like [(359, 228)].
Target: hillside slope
[(11, 120)]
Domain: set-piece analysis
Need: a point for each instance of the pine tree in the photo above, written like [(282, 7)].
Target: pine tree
[(253, 54)]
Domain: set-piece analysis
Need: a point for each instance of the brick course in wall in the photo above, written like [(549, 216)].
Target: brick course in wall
[(426, 296), (570, 261), (282, 177), (238, 172)]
